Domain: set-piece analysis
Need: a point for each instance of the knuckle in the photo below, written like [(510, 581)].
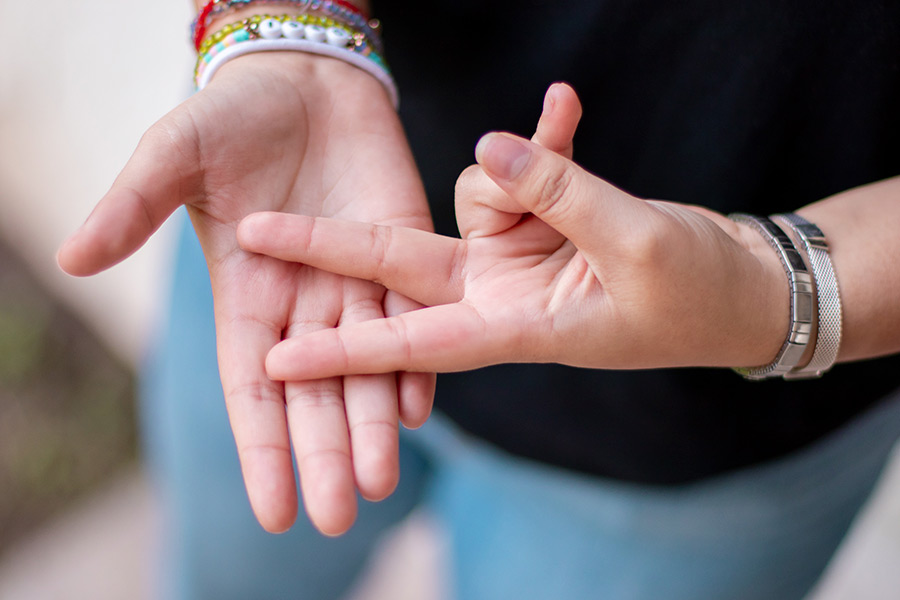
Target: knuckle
[(307, 325), (255, 393), (383, 428), (379, 248), (308, 460), (315, 395), (648, 245), (457, 270), (397, 328), (555, 192)]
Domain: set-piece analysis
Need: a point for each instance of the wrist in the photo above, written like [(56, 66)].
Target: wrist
[(335, 106), (802, 296), (766, 298), (321, 85), (329, 30)]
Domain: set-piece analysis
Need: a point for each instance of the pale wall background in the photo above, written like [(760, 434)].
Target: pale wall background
[(79, 83)]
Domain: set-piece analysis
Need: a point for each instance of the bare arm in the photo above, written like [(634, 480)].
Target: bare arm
[(863, 230), (598, 279)]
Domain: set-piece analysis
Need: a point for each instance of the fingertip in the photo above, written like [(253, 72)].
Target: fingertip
[(416, 391), (376, 466), (564, 95), (335, 526), (378, 474), (275, 364), (502, 155), (251, 228), (559, 90), (559, 119), (73, 259), (273, 500), (120, 224), (550, 98), (416, 420), (62, 257), (310, 356), (275, 523), (331, 504)]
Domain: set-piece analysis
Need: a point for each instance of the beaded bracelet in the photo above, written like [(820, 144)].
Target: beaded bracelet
[(360, 37), (340, 10), (304, 33), (311, 27)]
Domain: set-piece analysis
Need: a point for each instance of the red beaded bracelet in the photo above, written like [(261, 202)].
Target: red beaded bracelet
[(200, 24)]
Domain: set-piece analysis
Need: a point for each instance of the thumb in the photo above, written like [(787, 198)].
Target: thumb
[(146, 193), (579, 205)]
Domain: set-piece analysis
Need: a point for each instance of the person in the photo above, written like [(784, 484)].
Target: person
[(551, 481)]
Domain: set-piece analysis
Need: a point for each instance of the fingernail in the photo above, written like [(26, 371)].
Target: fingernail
[(503, 156)]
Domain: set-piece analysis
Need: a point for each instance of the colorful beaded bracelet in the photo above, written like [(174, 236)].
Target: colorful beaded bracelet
[(221, 6), (292, 27), (303, 33), (346, 11), (252, 24), (343, 11)]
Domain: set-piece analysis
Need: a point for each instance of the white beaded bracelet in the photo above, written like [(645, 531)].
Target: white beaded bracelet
[(828, 297), (333, 42)]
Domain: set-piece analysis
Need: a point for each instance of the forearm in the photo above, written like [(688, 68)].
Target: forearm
[(861, 228)]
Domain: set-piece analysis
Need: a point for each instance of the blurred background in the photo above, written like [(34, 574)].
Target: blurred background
[(79, 84)]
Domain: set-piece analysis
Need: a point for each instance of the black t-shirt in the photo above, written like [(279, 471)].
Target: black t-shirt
[(759, 106)]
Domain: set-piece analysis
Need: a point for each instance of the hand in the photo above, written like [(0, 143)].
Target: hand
[(555, 265), (291, 133)]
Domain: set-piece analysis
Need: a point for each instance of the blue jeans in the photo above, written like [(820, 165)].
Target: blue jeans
[(517, 528)]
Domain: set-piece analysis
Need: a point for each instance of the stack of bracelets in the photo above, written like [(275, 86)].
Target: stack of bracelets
[(815, 297), (332, 28)]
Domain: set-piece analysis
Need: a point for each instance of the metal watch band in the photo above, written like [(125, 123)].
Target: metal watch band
[(828, 297), (801, 299)]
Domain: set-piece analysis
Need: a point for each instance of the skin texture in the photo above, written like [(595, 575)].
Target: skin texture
[(296, 134), (556, 265)]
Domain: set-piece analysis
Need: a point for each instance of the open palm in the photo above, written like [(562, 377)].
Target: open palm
[(261, 137)]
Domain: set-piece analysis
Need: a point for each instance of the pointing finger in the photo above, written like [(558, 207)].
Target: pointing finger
[(420, 265)]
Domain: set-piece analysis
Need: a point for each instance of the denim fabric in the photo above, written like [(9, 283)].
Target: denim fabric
[(517, 528)]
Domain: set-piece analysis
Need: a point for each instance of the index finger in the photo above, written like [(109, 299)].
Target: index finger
[(423, 266)]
